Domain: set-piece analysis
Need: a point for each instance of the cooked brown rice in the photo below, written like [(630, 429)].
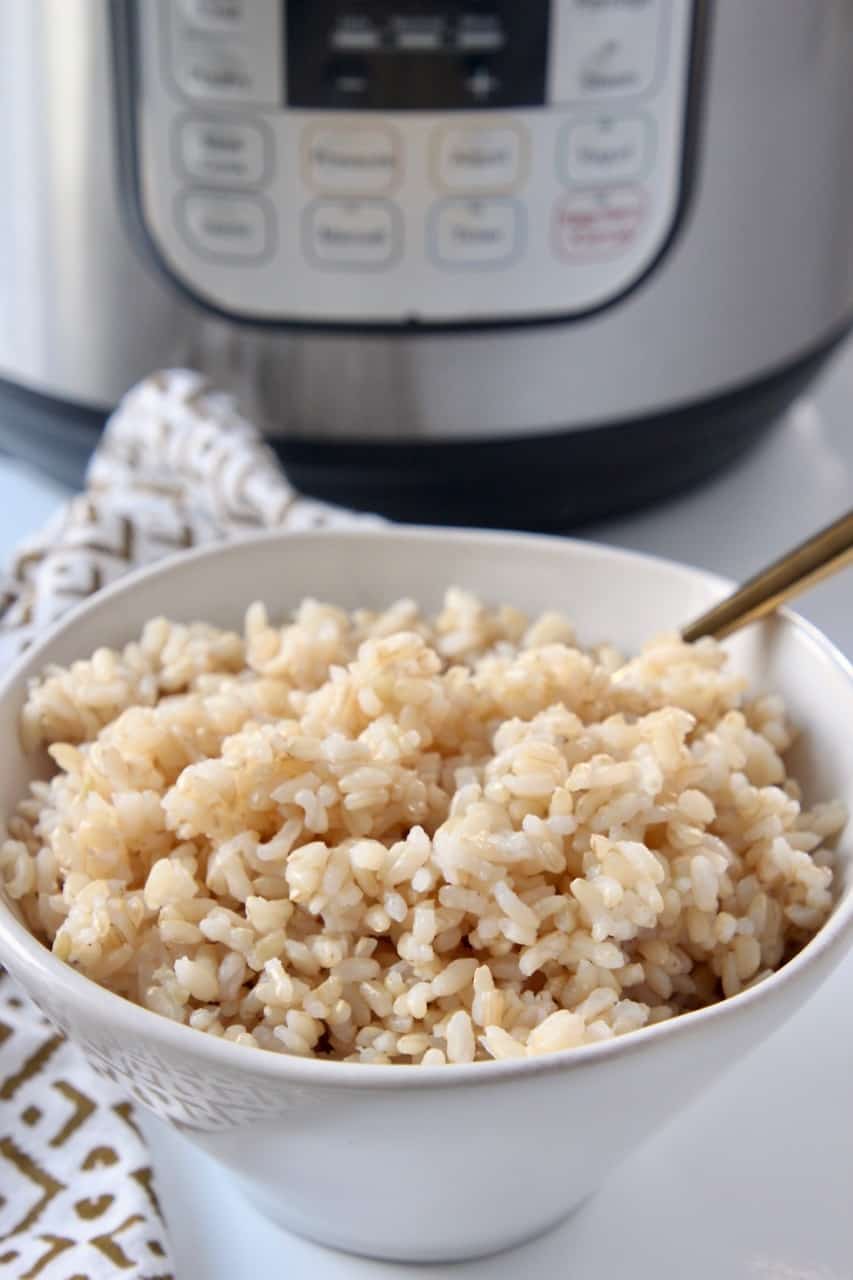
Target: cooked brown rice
[(381, 838)]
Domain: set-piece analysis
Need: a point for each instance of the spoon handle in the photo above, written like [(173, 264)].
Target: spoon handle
[(816, 558)]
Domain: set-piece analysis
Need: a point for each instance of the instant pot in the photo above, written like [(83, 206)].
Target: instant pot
[(483, 262)]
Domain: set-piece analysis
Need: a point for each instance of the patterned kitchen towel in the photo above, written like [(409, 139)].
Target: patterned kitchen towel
[(76, 1189), (177, 466)]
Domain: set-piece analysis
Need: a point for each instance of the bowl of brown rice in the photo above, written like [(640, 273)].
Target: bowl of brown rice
[(419, 875)]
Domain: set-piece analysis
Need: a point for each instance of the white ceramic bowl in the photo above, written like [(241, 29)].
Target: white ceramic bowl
[(445, 1162)]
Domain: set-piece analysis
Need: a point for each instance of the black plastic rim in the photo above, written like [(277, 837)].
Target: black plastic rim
[(551, 481)]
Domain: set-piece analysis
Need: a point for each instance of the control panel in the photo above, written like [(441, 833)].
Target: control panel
[(364, 162)]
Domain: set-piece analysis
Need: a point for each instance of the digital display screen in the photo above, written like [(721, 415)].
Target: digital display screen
[(370, 55), (418, 33)]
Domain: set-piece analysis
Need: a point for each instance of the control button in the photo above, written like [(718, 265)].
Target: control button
[(606, 150), (215, 15), (344, 161), (348, 79), (227, 51), (222, 151), (355, 234), (480, 159), (210, 72), (475, 233), (590, 225), (226, 226), (481, 82), (604, 48)]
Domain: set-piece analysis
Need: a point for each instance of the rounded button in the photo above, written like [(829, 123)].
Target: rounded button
[(475, 233), (215, 15), (226, 227), (222, 151), (591, 225), (606, 149), (603, 49), (480, 159), (207, 71), (352, 160), (354, 234)]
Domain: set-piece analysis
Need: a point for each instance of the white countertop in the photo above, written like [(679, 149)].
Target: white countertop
[(755, 1182)]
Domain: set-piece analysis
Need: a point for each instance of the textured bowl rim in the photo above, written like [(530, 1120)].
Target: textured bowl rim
[(125, 1017)]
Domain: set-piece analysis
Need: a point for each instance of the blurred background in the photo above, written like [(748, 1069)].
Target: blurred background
[(478, 263)]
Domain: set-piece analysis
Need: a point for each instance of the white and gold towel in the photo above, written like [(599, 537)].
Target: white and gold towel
[(177, 466)]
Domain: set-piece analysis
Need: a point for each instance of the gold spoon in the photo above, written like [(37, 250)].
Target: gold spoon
[(823, 554)]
